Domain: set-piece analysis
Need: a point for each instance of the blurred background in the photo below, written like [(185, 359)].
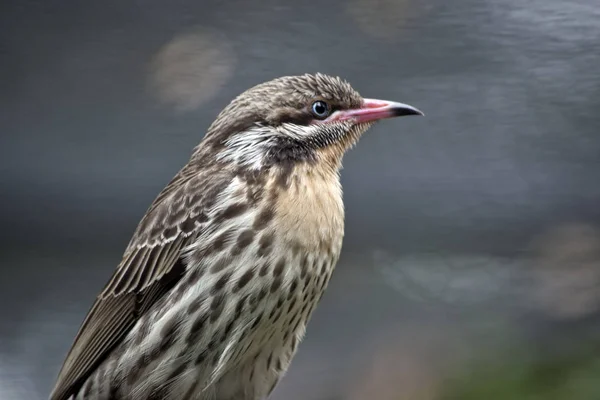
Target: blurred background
[(471, 266)]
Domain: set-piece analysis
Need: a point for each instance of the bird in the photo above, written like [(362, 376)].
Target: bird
[(214, 291)]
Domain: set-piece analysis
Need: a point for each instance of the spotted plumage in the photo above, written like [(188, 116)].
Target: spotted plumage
[(215, 289)]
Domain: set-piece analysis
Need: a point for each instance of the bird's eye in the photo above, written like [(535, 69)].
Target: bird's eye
[(320, 109)]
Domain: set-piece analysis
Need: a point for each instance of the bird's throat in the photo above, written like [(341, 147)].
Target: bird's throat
[(310, 208)]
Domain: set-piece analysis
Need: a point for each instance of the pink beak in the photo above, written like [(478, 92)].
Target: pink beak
[(374, 110)]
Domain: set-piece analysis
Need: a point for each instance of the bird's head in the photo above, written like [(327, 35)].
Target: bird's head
[(296, 119)]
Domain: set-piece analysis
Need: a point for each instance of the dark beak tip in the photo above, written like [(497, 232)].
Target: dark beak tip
[(401, 112)]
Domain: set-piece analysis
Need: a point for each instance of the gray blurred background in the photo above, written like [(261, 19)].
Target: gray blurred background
[(471, 264)]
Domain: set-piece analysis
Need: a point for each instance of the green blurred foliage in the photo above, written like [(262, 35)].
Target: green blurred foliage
[(520, 374)]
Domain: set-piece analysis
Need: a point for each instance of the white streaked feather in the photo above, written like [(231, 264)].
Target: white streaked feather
[(248, 148)]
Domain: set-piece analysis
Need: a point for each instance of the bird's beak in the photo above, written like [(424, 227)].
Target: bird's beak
[(374, 110)]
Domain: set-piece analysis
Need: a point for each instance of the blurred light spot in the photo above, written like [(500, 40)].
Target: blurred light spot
[(409, 362), (191, 69), (566, 271), (13, 381), (449, 279), (382, 19)]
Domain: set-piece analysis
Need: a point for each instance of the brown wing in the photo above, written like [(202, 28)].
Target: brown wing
[(150, 267)]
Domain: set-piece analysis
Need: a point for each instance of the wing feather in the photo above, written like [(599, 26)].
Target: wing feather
[(150, 267)]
